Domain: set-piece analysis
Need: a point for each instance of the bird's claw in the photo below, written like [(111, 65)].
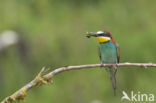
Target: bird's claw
[(115, 66)]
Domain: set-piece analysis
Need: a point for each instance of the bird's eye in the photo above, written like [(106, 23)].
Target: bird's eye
[(106, 35)]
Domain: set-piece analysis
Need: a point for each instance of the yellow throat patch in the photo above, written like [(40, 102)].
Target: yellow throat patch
[(103, 39)]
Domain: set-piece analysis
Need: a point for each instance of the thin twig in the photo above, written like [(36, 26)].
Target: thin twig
[(43, 78)]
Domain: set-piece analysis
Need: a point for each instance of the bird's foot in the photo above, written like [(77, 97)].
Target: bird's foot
[(115, 66)]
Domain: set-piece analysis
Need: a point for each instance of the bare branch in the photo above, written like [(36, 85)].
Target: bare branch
[(43, 78)]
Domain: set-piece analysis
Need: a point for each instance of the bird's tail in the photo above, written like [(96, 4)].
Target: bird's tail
[(112, 72), (113, 81)]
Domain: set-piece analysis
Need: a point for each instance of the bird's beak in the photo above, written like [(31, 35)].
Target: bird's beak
[(91, 34)]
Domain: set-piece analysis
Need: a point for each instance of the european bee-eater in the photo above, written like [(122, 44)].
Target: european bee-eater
[(108, 52)]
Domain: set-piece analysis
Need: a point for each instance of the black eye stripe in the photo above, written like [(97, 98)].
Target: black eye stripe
[(106, 35), (101, 35)]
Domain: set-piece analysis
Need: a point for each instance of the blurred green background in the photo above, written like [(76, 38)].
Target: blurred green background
[(52, 34)]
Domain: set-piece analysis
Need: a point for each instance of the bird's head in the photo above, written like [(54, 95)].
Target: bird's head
[(102, 36)]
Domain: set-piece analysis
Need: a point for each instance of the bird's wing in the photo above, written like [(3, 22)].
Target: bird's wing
[(118, 53), (99, 54)]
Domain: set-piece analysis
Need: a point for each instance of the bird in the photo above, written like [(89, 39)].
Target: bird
[(109, 53)]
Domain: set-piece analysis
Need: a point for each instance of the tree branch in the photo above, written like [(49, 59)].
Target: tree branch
[(43, 78)]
